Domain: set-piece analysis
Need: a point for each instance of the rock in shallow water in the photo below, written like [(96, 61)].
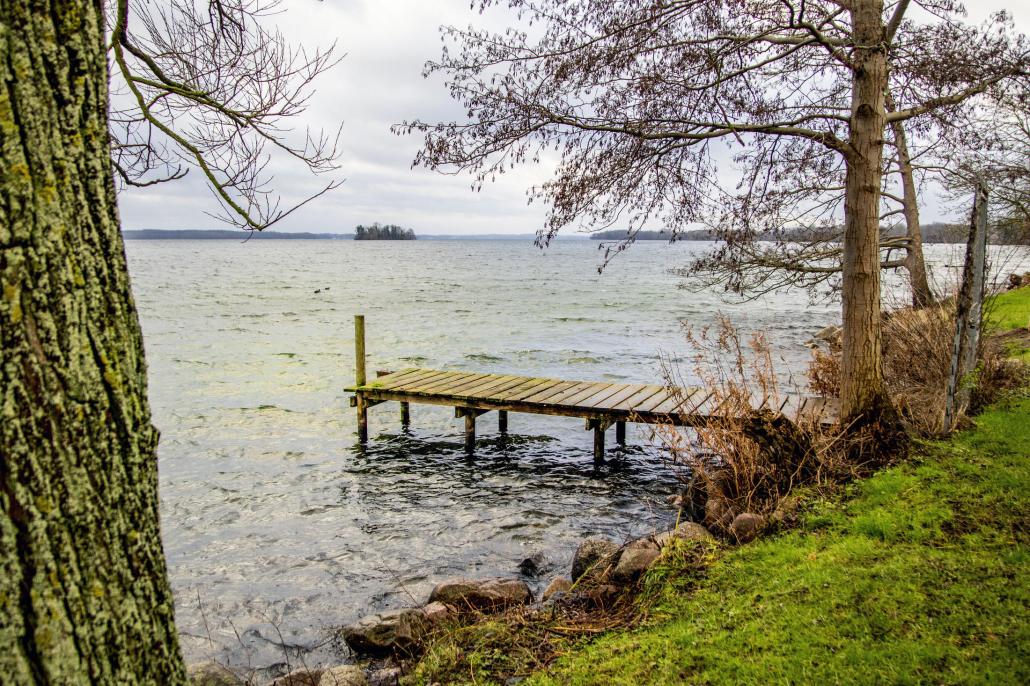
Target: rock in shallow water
[(534, 565), (300, 677), (344, 675), (211, 673), (387, 632), (481, 594), (558, 585), (593, 553)]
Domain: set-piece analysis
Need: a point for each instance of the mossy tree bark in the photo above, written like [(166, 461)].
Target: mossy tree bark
[(84, 596)]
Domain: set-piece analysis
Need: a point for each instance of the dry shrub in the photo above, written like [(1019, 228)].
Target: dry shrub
[(917, 347), (752, 450)]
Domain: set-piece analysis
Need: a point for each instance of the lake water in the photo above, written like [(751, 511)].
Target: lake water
[(276, 525)]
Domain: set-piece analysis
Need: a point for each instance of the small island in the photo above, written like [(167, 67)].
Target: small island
[(381, 232)]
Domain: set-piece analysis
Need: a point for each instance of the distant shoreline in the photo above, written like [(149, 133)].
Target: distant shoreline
[(239, 235)]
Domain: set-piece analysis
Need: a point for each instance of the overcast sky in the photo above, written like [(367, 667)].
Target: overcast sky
[(379, 83)]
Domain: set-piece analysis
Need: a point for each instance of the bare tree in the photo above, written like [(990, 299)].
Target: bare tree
[(995, 154), (206, 85), (632, 98)]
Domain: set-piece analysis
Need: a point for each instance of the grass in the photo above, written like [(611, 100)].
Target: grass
[(1011, 310), (918, 574)]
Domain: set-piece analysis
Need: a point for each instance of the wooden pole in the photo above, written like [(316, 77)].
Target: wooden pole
[(405, 414), (359, 350), (470, 431), (502, 421), (598, 441), (359, 375), (620, 433), (968, 312)]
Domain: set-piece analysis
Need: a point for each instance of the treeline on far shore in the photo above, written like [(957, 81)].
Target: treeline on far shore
[(938, 232)]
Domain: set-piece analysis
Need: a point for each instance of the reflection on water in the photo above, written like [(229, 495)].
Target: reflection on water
[(276, 525)]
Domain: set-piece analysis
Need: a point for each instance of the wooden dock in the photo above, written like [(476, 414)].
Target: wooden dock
[(601, 404)]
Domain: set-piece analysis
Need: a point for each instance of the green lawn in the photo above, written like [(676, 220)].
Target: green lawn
[(1011, 309), (918, 576)]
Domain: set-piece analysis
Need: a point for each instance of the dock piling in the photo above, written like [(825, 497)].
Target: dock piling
[(620, 433), (470, 432), (359, 375), (405, 414), (502, 421)]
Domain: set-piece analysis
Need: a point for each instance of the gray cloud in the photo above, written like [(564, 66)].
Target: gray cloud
[(380, 83)]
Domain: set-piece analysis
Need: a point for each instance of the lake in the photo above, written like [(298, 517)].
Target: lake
[(276, 525)]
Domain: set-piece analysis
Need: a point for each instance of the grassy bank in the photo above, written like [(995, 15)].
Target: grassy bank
[(918, 574)]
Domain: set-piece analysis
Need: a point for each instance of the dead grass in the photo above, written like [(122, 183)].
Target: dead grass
[(754, 449), (917, 347)]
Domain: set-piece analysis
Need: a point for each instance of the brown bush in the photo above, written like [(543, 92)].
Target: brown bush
[(917, 347), (754, 449)]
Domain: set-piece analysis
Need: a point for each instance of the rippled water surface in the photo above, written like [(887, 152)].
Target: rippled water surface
[(276, 525)]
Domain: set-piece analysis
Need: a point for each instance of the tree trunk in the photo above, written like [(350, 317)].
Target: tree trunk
[(922, 296), (862, 387), (84, 596)]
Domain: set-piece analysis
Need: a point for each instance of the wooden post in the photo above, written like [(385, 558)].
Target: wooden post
[(968, 312), (470, 431), (359, 350), (359, 375), (620, 433), (362, 406), (598, 441), (405, 414), (502, 421)]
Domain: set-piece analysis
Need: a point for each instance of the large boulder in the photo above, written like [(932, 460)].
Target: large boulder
[(558, 585), (594, 554), (746, 526), (344, 675), (685, 531), (299, 677), (635, 559), (394, 631), (386, 676), (211, 673), (482, 594)]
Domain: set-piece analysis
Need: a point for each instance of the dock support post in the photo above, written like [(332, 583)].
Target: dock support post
[(405, 414), (359, 375), (502, 421), (620, 433), (598, 442), (362, 406), (470, 432)]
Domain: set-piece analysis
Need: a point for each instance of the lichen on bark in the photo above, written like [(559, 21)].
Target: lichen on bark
[(84, 596)]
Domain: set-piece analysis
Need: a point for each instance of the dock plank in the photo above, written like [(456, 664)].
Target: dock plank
[(607, 401)]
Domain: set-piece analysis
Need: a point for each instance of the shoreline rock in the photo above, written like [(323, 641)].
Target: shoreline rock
[(482, 594), (592, 554)]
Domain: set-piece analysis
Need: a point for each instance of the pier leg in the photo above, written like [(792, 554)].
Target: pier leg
[(359, 376), (598, 442), (620, 433), (470, 432), (405, 415), (502, 421), (362, 406)]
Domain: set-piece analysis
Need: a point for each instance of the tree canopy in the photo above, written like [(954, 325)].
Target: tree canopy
[(635, 99)]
